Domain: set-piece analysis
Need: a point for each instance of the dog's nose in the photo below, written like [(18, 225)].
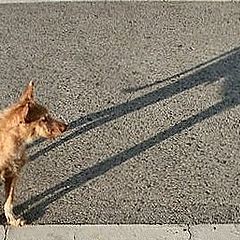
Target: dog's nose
[(63, 127)]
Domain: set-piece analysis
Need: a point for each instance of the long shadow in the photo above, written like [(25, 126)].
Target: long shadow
[(181, 74), (206, 75), (52, 194), (226, 67)]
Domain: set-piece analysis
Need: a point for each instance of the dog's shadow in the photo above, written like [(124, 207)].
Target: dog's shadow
[(226, 67)]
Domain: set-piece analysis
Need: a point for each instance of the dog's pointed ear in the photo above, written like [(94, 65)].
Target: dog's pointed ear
[(24, 112), (27, 94), (21, 112)]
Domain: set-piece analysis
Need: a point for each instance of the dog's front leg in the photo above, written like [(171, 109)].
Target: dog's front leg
[(10, 183)]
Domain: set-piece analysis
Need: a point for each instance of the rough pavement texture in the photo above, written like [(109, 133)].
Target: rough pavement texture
[(151, 92)]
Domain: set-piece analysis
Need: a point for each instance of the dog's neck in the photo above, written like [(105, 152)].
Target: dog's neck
[(26, 132), (19, 135)]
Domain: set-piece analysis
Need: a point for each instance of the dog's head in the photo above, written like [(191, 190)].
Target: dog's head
[(35, 118)]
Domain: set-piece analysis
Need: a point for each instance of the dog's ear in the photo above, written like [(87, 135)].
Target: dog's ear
[(24, 112), (27, 95), (21, 112)]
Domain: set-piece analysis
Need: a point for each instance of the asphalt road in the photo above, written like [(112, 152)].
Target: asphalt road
[(151, 92)]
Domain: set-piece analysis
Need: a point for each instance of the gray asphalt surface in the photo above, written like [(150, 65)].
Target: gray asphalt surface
[(151, 92)]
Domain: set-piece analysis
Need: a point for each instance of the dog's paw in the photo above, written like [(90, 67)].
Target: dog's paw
[(17, 222)]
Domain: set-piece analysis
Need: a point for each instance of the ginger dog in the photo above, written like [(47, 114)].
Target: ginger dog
[(20, 124)]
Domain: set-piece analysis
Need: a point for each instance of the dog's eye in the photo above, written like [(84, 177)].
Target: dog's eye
[(44, 119)]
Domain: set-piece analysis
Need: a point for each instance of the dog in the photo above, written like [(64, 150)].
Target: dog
[(20, 124)]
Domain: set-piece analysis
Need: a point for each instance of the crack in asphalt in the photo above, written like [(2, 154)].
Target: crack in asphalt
[(189, 232), (5, 232)]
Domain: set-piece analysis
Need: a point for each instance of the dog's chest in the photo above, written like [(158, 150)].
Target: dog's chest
[(13, 161), (19, 159)]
